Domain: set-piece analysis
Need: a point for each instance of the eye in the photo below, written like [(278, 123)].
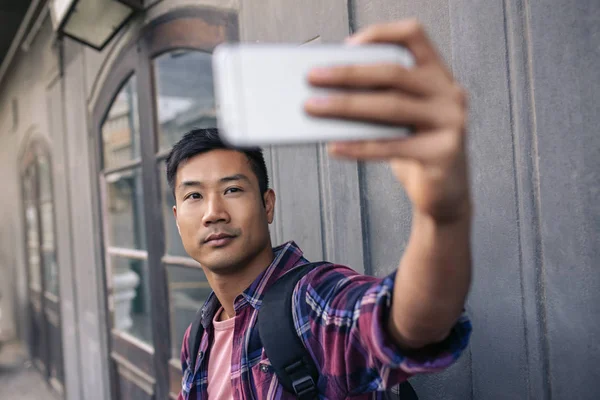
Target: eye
[(233, 190), (193, 196)]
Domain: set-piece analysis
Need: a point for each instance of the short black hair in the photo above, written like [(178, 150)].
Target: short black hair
[(198, 141)]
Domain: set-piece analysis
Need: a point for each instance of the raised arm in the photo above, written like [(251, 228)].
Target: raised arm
[(434, 272)]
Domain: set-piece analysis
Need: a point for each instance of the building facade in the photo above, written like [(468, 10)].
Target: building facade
[(94, 278)]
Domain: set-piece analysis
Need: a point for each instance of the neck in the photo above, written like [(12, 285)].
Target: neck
[(227, 287)]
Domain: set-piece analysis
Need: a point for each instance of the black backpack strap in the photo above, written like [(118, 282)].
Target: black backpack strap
[(194, 339), (406, 391), (292, 363), (402, 391)]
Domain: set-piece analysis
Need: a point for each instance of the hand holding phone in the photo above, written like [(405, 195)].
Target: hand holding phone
[(261, 91), (431, 164)]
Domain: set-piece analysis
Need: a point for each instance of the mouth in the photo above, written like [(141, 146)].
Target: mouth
[(218, 239)]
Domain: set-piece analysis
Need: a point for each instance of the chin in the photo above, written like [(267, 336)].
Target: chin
[(220, 261), (223, 267)]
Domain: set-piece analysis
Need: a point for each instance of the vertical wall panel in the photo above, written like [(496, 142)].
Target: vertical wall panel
[(91, 320), (342, 212), (68, 301), (498, 346), (386, 211), (566, 77), (300, 198), (274, 228), (526, 172), (388, 226), (293, 21)]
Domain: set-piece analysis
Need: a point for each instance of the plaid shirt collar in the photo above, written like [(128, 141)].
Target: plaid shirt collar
[(286, 256)]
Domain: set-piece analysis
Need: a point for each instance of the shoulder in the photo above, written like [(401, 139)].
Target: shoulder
[(327, 276), (331, 286)]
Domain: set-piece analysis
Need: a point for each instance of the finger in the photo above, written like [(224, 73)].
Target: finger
[(425, 147), (420, 82), (381, 107), (409, 33)]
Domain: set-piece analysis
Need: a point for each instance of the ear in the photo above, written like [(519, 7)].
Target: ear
[(176, 222), (269, 199)]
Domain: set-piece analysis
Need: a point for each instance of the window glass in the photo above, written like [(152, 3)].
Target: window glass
[(184, 94), (44, 178), (120, 129), (125, 209), (188, 289), (47, 231), (172, 238), (33, 249), (131, 297), (31, 226), (48, 248)]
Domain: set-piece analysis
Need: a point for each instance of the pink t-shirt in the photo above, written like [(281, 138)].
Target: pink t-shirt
[(219, 362)]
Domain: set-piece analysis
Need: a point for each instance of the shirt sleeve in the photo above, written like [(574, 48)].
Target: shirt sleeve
[(341, 317)]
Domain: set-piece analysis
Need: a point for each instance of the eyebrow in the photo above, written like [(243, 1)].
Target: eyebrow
[(232, 178)]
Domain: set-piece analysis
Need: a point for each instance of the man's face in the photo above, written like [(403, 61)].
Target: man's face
[(219, 210)]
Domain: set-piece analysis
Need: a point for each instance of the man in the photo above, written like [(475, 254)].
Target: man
[(364, 333)]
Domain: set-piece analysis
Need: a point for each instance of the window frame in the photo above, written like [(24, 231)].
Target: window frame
[(191, 28)]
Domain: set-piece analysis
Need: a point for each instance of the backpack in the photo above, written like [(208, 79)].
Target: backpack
[(292, 363)]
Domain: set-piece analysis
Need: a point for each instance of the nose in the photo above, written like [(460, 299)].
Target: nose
[(215, 211)]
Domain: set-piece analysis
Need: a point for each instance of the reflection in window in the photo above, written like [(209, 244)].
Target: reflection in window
[(172, 238), (188, 289), (33, 246), (125, 208), (185, 95), (131, 297), (121, 128), (32, 227), (45, 178), (47, 231)]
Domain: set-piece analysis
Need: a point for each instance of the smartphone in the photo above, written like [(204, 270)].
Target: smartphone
[(260, 91)]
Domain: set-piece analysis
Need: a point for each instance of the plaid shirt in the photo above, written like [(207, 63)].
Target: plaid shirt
[(340, 316)]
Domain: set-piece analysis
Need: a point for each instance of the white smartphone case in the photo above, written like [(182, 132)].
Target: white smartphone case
[(260, 91)]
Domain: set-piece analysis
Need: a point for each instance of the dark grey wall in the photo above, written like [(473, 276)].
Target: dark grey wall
[(532, 69)]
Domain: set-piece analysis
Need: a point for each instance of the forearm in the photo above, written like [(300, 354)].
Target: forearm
[(432, 282)]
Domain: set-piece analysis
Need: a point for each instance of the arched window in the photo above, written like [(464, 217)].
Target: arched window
[(45, 340), (159, 87)]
